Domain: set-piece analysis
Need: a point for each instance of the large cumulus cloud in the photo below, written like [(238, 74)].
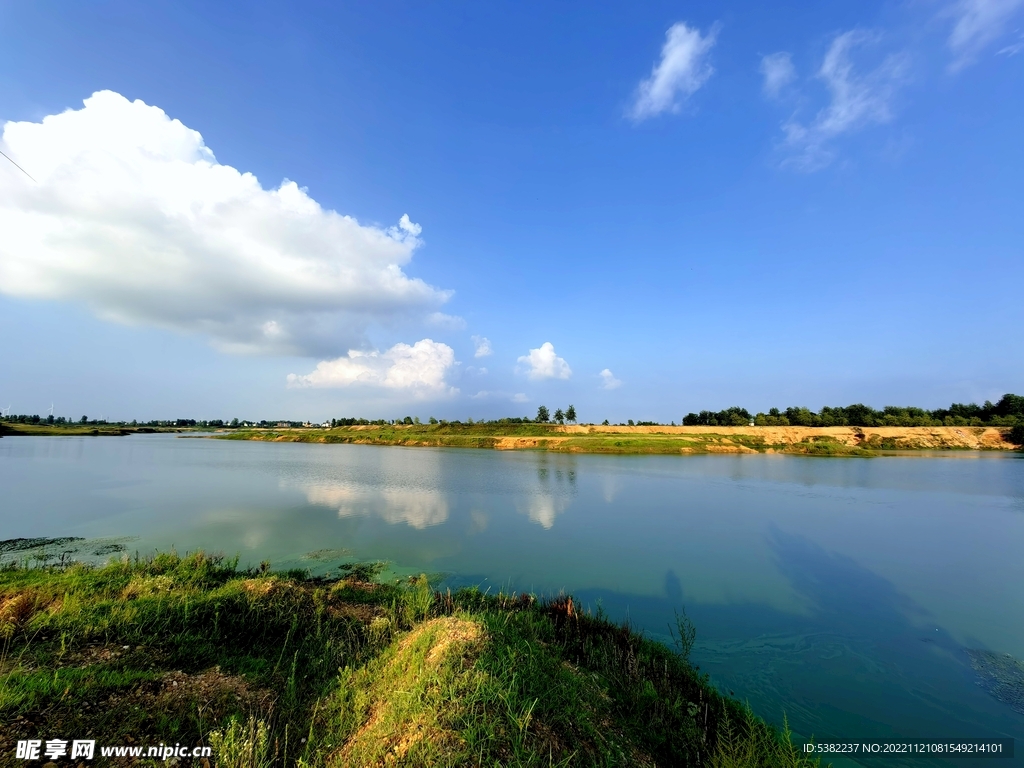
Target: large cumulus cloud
[(130, 214), (420, 369)]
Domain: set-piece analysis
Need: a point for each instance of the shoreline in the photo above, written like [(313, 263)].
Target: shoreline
[(801, 441), (862, 442)]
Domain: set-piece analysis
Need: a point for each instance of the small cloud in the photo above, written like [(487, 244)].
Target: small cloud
[(419, 369), (486, 394), (681, 71), (978, 23), (543, 363), (857, 100), (608, 380), (405, 229), (447, 322), (1012, 50), (778, 71), (483, 346)]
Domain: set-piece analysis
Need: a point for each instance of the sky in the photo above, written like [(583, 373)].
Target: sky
[(467, 210)]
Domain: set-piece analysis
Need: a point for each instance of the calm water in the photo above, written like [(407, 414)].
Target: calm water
[(841, 591)]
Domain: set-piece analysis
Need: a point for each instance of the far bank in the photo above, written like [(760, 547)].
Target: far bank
[(811, 441)]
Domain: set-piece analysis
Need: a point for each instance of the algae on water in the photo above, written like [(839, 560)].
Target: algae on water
[(1001, 675)]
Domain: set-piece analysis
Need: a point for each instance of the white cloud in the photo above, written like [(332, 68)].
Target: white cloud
[(419, 369), (446, 322), (778, 72), (608, 380), (856, 100), (1013, 49), (485, 394), (543, 363), (133, 216), (977, 24), (483, 346), (405, 227), (681, 71)]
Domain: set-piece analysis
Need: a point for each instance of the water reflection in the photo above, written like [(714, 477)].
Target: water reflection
[(840, 592), (556, 487), (865, 660), (543, 508), (418, 508)]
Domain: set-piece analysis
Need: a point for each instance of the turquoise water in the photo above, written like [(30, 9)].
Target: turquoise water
[(843, 592)]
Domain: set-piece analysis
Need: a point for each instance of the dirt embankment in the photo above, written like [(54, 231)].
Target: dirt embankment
[(816, 441), (892, 438)]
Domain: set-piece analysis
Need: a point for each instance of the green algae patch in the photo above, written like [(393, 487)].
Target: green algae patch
[(1001, 675)]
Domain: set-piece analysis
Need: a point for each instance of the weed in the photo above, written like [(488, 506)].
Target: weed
[(242, 745)]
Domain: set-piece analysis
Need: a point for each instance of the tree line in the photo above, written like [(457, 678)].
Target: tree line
[(1007, 412), (35, 418)]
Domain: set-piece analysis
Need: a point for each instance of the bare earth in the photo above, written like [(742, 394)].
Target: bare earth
[(585, 438), (921, 438)]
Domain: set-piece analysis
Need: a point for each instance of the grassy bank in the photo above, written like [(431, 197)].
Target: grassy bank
[(14, 429), (277, 669), (807, 441), (665, 440)]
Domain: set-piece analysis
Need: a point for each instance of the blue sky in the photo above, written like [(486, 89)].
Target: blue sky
[(715, 204)]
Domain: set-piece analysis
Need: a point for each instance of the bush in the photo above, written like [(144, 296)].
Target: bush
[(1016, 436)]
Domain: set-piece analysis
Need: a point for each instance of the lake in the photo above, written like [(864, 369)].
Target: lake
[(844, 593)]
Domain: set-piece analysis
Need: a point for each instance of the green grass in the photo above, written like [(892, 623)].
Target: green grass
[(13, 429), (825, 445), (279, 669), (541, 437)]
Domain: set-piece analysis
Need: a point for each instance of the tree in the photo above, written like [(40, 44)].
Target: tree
[(1010, 405), (433, 420), (84, 420), (570, 413), (1016, 436), (542, 414), (559, 416)]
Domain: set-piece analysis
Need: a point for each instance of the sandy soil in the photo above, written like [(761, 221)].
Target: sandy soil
[(976, 438)]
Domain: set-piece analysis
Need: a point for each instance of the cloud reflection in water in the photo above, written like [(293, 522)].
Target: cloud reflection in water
[(419, 508)]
